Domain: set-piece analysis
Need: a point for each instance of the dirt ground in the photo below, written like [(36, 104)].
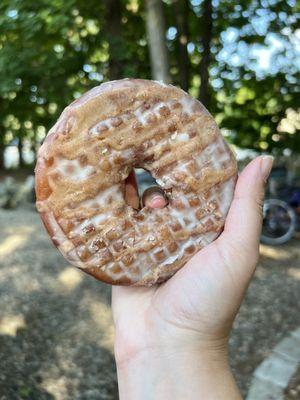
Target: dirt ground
[(56, 331), (293, 390)]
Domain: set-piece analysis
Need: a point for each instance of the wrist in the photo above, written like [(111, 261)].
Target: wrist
[(165, 373), (166, 341), (214, 351), (211, 352), (162, 358)]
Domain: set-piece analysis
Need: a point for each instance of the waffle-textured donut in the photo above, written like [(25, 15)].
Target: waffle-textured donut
[(90, 151)]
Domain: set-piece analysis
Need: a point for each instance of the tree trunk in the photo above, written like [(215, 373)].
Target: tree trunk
[(2, 134), (2, 148), (181, 9), (20, 151), (33, 148), (115, 39), (206, 55), (157, 42)]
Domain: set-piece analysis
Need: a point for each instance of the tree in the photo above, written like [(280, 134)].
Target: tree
[(113, 29), (2, 148), (251, 101), (181, 13), (157, 42), (248, 102), (48, 58), (20, 151), (207, 22), (48, 72)]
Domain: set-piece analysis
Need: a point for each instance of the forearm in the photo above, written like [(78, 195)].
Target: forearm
[(181, 375)]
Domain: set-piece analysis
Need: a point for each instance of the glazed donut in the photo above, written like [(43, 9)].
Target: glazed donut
[(90, 151)]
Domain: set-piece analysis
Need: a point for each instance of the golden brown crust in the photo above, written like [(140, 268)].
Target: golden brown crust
[(90, 151)]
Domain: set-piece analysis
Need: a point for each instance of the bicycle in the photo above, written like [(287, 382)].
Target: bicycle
[(281, 217)]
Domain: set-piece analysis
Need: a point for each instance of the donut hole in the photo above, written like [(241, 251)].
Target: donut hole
[(144, 181)]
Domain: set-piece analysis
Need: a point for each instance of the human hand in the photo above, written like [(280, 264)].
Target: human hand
[(194, 310)]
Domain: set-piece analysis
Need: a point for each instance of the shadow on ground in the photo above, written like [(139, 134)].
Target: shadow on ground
[(56, 331)]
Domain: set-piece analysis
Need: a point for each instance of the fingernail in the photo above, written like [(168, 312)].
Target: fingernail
[(266, 166), (157, 201), (154, 197)]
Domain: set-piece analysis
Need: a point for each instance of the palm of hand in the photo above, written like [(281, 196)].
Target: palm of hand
[(200, 301)]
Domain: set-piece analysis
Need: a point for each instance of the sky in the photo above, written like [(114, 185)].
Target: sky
[(278, 52)]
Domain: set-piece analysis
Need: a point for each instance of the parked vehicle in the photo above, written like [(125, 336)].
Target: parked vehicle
[(281, 215)]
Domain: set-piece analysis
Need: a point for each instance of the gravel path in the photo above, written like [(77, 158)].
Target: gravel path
[(270, 311), (56, 330), (293, 390), (55, 327)]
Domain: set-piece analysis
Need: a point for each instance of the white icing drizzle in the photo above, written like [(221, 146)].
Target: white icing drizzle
[(187, 104), (72, 169), (101, 200), (141, 115), (213, 157), (182, 137)]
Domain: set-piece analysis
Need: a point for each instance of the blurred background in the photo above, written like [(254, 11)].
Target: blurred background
[(242, 60)]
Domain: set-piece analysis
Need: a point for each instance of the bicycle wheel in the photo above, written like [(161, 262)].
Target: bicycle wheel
[(279, 222)]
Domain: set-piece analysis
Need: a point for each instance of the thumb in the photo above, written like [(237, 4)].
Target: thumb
[(244, 219), (154, 197)]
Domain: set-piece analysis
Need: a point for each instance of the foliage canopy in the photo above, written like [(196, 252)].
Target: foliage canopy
[(51, 51)]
